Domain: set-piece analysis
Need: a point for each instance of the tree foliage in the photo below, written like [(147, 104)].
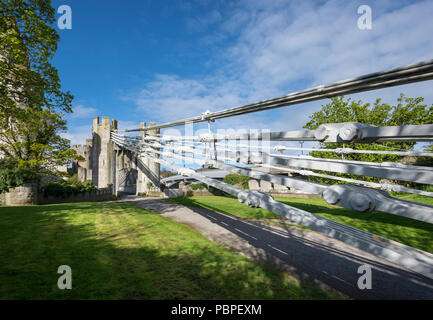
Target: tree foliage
[(32, 104), (197, 186), (237, 180), (12, 176), (166, 173), (62, 188), (405, 111)]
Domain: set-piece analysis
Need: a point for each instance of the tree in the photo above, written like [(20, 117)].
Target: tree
[(167, 173), (32, 104), (406, 111), (426, 161)]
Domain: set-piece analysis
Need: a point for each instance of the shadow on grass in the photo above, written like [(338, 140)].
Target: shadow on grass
[(314, 260), (376, 216), (408, 231), (244, 212), (120, 251), (411, 232)]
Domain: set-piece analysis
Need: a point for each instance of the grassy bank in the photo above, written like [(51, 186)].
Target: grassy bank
[(408, 231), (120, 251), (225, 205)]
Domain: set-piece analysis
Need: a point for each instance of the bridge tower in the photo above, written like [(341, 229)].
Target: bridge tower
[(102, 152), (110, 165), (148, 170)]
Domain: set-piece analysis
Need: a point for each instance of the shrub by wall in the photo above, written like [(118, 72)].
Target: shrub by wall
[(197, 186), (237, 180), (66, 188), (11, 175)]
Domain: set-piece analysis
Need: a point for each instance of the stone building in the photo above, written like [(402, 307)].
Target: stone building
[(107, 165), (97, 154), (83, 168), (266, 186)]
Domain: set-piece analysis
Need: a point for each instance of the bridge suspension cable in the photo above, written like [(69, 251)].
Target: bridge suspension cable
[(245, 158), (403, 75), (414, 259), (249, 159)]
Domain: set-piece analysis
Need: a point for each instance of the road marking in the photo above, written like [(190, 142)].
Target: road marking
[(245, 233), (278, 250), (270, 229), (278, 233)]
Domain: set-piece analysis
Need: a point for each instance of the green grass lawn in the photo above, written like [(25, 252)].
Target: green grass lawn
[(225, 205), (408, 231), (120, 251)]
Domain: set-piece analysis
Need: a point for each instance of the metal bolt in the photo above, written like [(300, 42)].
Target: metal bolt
[(361, 202), (321, 133), (331, 196), (349, 132), (242, 197)]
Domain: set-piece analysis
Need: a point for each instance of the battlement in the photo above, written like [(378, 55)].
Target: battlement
[(103, 160), (106, 123)]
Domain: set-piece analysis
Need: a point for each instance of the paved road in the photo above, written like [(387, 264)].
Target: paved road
[(310, 256)]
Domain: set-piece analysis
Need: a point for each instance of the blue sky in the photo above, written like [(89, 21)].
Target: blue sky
[(164, 60)]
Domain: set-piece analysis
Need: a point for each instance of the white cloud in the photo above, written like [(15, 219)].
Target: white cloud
[(169, 97), (281, 46), (80, 111), (78, 134)]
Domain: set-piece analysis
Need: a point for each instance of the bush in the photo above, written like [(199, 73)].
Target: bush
[(197, 186), (237, 180), (67, 188), (12, 175), (165, 174)]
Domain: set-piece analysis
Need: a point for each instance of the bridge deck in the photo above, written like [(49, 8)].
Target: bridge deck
[(309, 256)]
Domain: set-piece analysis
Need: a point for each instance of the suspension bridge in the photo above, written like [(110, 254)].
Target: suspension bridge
[(132, 162)]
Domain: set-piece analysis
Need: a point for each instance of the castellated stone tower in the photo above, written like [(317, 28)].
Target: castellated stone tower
[(102, 152), (148, 170), (105, 164), (98, 154), (83, 168)]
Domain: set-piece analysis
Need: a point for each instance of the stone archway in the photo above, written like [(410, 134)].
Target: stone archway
[(128, 180)]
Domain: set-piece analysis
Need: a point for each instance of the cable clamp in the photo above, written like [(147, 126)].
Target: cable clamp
[(185, 171), (206, 115), (392, 187), (207, 137), (279, 148)]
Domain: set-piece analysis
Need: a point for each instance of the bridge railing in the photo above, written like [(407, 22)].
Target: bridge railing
[(355, 193)]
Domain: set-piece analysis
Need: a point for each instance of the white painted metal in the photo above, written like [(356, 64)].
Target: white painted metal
[(408, 257)]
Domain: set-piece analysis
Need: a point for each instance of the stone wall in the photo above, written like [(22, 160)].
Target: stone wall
[(24, 195), (103, 194), (28, 195), (186, 192), (266, 186)]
